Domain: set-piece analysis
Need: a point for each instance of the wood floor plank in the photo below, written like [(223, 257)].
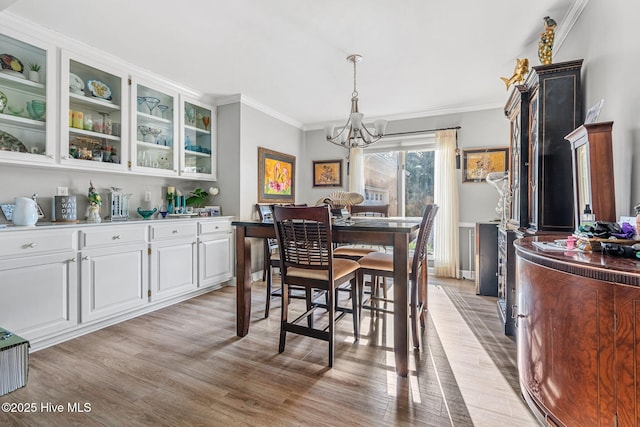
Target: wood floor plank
[(184, 365)]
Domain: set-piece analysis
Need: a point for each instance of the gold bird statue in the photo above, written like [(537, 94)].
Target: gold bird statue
[(545, 44), (519, 74)]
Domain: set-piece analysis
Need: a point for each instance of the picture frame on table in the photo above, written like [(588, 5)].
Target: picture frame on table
[(327, 173), (477, 163), (276, 177)]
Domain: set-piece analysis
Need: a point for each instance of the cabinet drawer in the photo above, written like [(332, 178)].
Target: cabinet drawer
[(174, 230), (108, 235), (25, 243), (208, 227)]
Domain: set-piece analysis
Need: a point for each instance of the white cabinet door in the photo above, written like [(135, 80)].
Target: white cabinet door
[(173, 267), (27, 123), (214, 259), (39, 294), (113, 280), (198, 148)]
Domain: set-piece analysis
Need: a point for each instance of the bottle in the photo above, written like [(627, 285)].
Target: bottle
[(587, 219)]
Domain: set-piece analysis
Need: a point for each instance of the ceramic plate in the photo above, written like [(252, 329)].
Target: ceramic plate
[(3, 102), (75, 83), (9, 142), (11, 63), (99, 89)]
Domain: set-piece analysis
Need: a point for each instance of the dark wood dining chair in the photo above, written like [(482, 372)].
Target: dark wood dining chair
[(306, 258), (271, 256), (356, 252), (369, 210), (380, 264)]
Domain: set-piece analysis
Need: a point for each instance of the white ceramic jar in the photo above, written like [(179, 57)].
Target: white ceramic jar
[(25, 211)]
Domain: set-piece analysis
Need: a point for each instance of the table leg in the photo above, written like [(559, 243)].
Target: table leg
[(400, 316), (243, 279)]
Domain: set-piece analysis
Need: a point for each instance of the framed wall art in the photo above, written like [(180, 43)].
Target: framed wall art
[(327, 173), (478, 163), (276, 177)]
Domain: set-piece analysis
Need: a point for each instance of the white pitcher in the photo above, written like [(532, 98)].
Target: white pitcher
[(25, 212)]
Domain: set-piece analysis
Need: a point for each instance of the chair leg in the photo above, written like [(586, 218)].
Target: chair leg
[(309, 298), (414, 314), (283, 317), (332, 321), (354, 307), (267, 305), (423, 293)]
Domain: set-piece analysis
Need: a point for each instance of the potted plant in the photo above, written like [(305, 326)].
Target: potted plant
[(198, 196), (34, 72)]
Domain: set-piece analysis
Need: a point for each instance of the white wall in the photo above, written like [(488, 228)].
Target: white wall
[(607, 37)]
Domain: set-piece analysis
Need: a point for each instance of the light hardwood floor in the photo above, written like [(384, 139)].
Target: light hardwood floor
[(184, 365)]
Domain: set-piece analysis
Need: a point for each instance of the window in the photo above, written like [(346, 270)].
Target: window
[(401, 178)]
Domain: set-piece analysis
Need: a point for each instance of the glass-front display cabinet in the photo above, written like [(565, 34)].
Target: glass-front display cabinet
[(153, 129), (27, 84), (198, 141), (94, 114)]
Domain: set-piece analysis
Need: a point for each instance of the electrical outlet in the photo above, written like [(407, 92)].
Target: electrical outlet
[(147, 196), (62, 191)]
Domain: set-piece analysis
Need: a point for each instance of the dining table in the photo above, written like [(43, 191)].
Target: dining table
[(395, 232)]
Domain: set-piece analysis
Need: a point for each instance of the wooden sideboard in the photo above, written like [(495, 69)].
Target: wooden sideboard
[(578, 335)]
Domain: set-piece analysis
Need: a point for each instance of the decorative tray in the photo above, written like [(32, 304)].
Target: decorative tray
[(99, 89)]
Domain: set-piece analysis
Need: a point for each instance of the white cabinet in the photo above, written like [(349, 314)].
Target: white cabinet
[(198, 148), (154, 129), (215, 260), (94, 114), (27, 133), (173, 259), (114, 267), (38, 282)]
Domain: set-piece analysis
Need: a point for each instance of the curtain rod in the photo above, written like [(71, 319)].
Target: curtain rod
[(413, 132)]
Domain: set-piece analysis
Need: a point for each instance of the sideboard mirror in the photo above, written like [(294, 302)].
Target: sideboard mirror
[(592, 161)]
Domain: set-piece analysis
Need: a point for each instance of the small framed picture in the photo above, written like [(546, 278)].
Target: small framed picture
[(327, 173), (478, 163), (593, 113)]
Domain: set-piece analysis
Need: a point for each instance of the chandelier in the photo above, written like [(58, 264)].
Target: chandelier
[(354, 134)]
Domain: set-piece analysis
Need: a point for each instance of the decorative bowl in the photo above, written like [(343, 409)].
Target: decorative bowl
[(16, 111), (146, 214)]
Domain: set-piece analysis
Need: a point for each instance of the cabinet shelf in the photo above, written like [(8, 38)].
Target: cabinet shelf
[(197, 130), (153, 146), (74, 131), (22, 122), (21, 84), (144, 117), (85, 101), (196, 153)]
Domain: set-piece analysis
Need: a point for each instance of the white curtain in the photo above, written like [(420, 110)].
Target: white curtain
[(356, 170), (445, 231)]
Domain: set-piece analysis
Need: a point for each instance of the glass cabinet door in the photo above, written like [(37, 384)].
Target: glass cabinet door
[(26, 124), (198, 144), (94, 115), (153, 129)]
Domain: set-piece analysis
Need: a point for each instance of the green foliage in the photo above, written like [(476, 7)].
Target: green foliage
[(419, 181), (197, 198), (34, 67)]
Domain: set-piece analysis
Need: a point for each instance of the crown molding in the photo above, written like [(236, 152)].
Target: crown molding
[(415, 115), (568, 22), (243, 99)]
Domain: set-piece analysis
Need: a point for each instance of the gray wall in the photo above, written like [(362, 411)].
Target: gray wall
[(606, 36), (479, 129)]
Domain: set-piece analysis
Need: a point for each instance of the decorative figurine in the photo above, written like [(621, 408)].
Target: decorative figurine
[(545, 44), (519, 73)]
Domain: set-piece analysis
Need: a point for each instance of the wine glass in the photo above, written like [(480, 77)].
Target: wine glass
[(205, 122), (190, 114), (151, 103), (140, 102), (144, 131), (155, 133), (163, 109)]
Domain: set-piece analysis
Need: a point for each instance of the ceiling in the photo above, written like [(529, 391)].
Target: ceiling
[(421, 57)]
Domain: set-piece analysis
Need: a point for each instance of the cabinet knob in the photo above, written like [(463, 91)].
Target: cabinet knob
[(175, 231), (86, 257), (30, 245), (65, 157), (116, 237), (50, 156), (72, 259)]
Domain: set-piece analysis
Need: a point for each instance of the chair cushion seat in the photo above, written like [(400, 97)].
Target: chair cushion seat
[(341, 267), (379, 261), (353, 250)]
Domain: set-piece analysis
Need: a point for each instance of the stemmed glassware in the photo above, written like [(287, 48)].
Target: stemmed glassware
[(151, 103), (163, 109), (155, 133), (144, 131), (140, 102), (205, 122)]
